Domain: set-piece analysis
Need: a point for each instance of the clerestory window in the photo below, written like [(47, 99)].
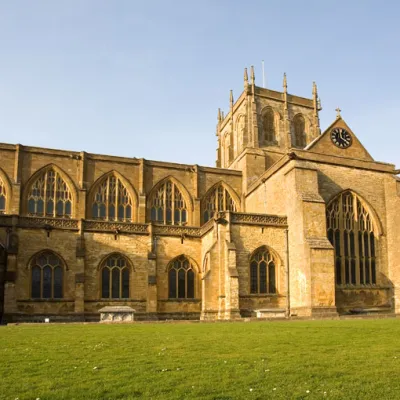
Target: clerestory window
[(218, 199), (50, 196), (112, 201), (168, 206)]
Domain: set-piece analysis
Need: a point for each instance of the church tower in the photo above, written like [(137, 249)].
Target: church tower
[(262, 125)]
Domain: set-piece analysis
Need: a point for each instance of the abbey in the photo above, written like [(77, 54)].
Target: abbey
[(291, 222)]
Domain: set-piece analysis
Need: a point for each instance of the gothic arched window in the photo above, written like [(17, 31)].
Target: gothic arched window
[(50, 196), (351, 232), (218, 199), (167, 205), (269, 125), (111, 201), (46, 276), (181, 279), (115, 278), (299, 125), (262, 272), (3, 197)]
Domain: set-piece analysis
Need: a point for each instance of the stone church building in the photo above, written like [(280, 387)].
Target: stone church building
[(292, 221)]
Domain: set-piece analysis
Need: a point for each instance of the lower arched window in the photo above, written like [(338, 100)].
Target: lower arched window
[(46, 276), (181, 279), (352, 234), (262, 272), (115, 278)]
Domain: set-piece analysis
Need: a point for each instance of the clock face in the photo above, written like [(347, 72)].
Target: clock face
[(341, 138)]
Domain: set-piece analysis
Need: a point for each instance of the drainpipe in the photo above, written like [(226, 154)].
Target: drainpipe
[(287, 275)]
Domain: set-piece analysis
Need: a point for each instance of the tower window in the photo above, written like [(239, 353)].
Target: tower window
[(268, 121), (299, 125)]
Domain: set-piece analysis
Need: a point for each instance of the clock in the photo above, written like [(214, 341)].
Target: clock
[(341, 138)]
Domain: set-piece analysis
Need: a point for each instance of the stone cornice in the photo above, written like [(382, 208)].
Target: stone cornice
[(25, 222)]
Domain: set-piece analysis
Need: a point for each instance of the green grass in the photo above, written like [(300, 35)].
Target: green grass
[(358, 359)]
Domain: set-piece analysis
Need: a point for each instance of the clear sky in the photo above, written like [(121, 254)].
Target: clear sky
[(145, 78)]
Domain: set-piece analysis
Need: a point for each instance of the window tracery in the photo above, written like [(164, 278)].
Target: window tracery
[(3, 197), (46, 276), (219, 199), (351, 232), (168, 206), (115, 278), (50, 196), (181, 279), (299, 124), (112, 201), (262, 272)]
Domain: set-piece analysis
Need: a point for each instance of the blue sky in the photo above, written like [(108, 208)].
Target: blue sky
[(145, 78)]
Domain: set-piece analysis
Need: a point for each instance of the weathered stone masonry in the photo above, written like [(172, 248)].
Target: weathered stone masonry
[(291, 222)]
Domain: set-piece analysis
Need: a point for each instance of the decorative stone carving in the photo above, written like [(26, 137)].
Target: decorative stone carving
[(258, 219), (117, 314), (120, 227), (40, 222), (176, 230)]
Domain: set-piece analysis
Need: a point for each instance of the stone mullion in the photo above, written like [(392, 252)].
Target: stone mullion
[(55, 194), (117, 199), (120, 283), (45, 193), (41, 282), (110, 283), (267, 276), (107, 199), (186, 283), (173, 204), (165, 203), (342, 233), (356, 230), (52, 282)]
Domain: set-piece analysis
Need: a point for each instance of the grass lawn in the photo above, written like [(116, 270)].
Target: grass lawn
[(357, 359)]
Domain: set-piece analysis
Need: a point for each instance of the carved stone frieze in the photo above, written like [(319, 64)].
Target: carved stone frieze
[(41, 222), (119, 227), (258, 219), (176, 230)]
